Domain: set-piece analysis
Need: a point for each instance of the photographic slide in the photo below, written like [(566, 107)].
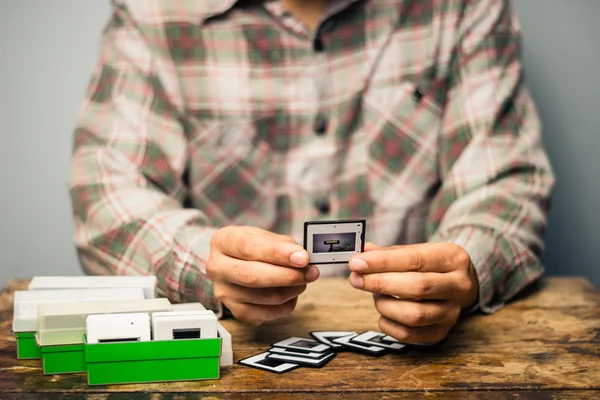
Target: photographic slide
[(334, 242)]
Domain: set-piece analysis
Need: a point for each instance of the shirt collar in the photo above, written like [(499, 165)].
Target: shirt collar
[(217, 7)]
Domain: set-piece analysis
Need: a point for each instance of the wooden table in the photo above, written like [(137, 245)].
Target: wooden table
[(544, 345)]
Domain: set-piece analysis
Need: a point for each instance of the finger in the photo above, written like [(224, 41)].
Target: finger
[(253, 244), (408, 285), (372, 246), (414, 335), (426, 257), (256, 315), (416, 314), (231, 293), (256, 274)]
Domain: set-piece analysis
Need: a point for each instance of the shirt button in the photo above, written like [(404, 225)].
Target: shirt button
[(417, 95), (323, 206), (318, 45), (320, 125)]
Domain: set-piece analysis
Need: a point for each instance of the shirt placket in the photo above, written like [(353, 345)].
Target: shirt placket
[(319, 167)]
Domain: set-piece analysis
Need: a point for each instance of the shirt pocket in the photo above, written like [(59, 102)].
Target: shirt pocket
[(231, 172), (401, 124)]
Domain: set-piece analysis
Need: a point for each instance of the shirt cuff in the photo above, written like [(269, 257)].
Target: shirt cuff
[(482, 247)]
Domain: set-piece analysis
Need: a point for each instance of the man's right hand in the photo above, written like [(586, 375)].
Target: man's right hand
[(258, 274)]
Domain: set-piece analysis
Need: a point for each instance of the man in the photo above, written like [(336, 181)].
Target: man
[(212, 130)]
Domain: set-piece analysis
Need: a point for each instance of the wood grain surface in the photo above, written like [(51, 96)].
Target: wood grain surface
[(544, 345)]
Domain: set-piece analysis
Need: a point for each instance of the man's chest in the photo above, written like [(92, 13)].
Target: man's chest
[(274, 123)]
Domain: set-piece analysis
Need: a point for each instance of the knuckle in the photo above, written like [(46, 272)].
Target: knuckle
[(377, 285), (272, 253), (466, 285), (385, 264), (214, 239), (416, 261), (418, 316), (379, 304), (243, 276), (211, 268), (461, 257), (249, 279), (246, 315), (382, 305), (397, 332), (422, 287), (220, 292), (243, 247)]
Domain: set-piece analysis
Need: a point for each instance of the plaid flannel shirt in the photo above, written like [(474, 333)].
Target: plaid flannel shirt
[(411, 114)]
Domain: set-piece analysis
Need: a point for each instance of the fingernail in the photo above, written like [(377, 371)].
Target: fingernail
[(312, 274), (358, 264), (357, 281), (300, 258)]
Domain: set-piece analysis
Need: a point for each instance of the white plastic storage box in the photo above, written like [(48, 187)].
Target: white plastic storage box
[(64, 324), (26, 304), (147, 283), (226, 345), (62, 327)]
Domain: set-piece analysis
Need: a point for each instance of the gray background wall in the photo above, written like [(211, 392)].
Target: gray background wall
[(48, 47)]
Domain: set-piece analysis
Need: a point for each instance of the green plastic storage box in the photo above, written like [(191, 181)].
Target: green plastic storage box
[(152, 361), (27, 347), (60, 329), (63, 359)]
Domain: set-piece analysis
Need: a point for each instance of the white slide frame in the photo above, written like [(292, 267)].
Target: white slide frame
[(357, 227)]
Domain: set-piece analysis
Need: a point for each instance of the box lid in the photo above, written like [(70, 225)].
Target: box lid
[(146, 283), (26, 302), (61, 324)]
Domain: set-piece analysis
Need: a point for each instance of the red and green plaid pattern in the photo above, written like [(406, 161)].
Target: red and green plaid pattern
[(202, 114)]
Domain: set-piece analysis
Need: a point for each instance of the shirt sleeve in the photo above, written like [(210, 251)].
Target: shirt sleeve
[(496, 177), (126, 179)]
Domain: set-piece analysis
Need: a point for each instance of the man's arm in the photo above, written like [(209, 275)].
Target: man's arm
[(126, 181), (486, 221), (128, 191), (496, 177)]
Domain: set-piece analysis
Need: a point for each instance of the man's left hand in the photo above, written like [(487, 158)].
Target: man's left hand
[(419, 290)]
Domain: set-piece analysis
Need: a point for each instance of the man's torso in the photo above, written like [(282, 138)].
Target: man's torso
[(285, 126)]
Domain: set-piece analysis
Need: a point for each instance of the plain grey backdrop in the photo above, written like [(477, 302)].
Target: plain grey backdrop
[(48, 48)]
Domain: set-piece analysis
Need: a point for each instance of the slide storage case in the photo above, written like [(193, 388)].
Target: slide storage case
[(226, 358), (26, 304), (61, 328), (153, 361), (146, 283)]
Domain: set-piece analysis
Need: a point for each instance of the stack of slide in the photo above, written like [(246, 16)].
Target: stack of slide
[(99, 325)]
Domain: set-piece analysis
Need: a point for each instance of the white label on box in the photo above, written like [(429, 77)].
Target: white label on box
[(110, 328)]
